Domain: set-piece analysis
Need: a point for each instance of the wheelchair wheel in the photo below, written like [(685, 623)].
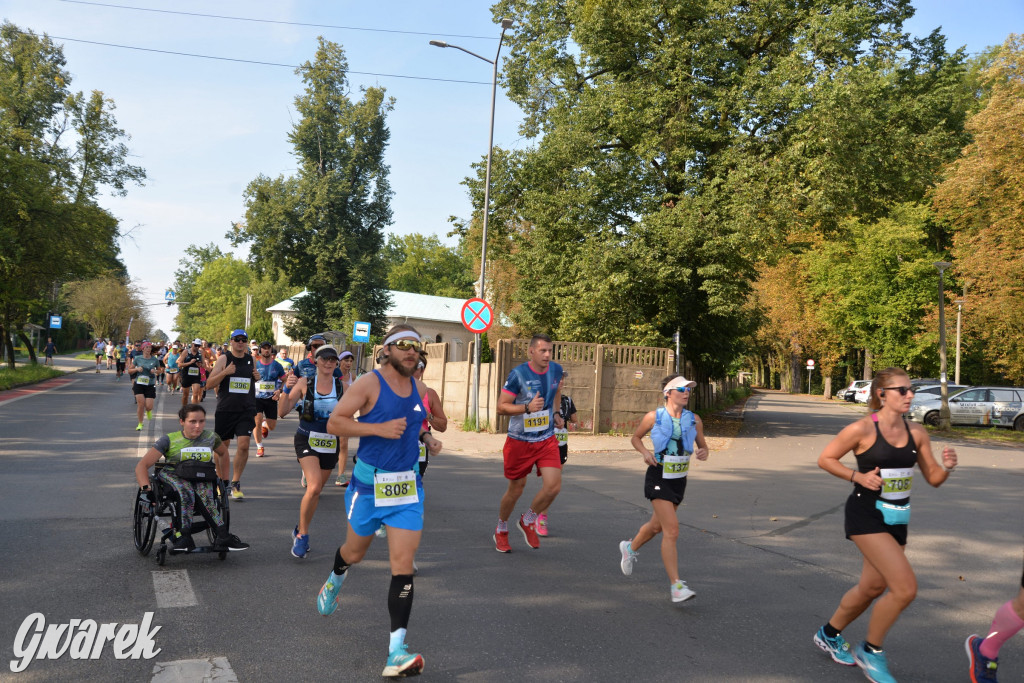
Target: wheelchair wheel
[(144, 525)]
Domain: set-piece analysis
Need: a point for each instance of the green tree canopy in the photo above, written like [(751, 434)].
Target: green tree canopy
[(681, 143), (324, 227), (422, 264), (58, 149), (982, 197)]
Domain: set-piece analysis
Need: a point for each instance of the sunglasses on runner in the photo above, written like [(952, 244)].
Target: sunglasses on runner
[(903, 390), (681, 390), (406, 344), (239, 338)]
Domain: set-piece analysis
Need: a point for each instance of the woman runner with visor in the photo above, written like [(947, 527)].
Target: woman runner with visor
[(877, 514), (674, 431)]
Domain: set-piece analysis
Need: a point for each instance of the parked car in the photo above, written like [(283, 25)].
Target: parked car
[(846, 393), (862, 393), (928, 390), (987, 406)]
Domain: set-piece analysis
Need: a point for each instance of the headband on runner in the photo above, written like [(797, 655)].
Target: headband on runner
[(404, 334)]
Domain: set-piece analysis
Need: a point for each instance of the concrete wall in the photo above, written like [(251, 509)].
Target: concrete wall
[(613, 386)]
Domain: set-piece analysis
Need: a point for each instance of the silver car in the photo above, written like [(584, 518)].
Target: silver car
[(986, 406)]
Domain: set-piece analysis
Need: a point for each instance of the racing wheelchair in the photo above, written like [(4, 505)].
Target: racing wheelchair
[(147, 518)]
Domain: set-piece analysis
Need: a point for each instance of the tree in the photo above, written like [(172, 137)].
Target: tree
[(196, 258), (982, 198), (107, 305), (679, 144), (324, 226), (58, 149), (421, 264), (218, 300)]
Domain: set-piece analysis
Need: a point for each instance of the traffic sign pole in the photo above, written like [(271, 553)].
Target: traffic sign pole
[(477, 317)]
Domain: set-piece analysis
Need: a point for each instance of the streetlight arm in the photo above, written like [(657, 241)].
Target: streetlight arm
[(441, 43)]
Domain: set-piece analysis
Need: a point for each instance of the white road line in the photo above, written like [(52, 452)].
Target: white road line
[(39, 393), (212, 670), (173, 589)]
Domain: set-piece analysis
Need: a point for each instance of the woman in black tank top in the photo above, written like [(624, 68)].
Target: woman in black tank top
[(877, 513)]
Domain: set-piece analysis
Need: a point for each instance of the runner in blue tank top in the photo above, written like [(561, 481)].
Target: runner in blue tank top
[(386, 486)]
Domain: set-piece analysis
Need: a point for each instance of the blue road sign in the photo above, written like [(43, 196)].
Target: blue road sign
[(361, 332)]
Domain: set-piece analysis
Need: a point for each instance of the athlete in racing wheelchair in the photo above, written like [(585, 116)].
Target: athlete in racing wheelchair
[(189, 481)]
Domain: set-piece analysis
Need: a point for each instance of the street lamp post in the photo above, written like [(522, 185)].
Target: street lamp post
[(505, 25), (944, 410), (959, 312)]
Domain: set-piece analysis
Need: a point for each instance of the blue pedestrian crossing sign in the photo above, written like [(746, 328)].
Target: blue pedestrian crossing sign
[(477, 315), (170, 295), (361, 332)]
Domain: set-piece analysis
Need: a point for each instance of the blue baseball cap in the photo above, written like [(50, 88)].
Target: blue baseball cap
[(239, 333)]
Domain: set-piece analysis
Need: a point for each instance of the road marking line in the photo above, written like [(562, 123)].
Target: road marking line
[(25, 393), (173, 589), (212, 670)]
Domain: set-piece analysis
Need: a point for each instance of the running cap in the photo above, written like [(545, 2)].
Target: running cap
[(315, 337), (266, 344), (679, 382), (327, 351), (145, 344), (345, 354), (238, 333)]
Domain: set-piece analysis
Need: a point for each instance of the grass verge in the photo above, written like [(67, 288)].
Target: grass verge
[(978, 434), (469, 425), (26, 374)]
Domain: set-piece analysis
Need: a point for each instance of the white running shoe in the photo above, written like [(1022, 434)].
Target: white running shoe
[(681, 592), (628, 558)]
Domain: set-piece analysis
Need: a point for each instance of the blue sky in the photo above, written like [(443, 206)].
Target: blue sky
[(203, 129)]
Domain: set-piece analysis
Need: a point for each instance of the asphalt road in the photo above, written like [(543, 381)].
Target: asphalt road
[(761, 544)]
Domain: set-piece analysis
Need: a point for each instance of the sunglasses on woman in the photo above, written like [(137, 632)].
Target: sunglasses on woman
[(406, 344), (903, 390), (681, 390)]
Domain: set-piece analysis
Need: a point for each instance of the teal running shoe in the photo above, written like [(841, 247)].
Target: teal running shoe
[(327, 600), (836, 647), (873, 664), (401, 663)]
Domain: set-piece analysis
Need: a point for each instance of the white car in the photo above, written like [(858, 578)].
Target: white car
[(862, 393), (847, 393), (986, 406)]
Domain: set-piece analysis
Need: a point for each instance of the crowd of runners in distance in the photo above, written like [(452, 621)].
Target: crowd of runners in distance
[(396, 416)]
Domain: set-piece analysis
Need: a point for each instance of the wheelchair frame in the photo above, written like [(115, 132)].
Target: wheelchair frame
[(147, 518)]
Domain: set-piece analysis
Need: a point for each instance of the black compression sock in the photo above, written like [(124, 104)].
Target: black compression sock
[(400, 601), (340, 565), (830, 630)]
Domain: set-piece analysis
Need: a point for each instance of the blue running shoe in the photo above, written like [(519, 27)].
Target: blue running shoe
[(295, 533), (401, 663), (300, 544), (983, 669), (836, 647), (327, 600), (873, 664)]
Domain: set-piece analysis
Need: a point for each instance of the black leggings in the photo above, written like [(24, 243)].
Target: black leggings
[(192, 496)]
